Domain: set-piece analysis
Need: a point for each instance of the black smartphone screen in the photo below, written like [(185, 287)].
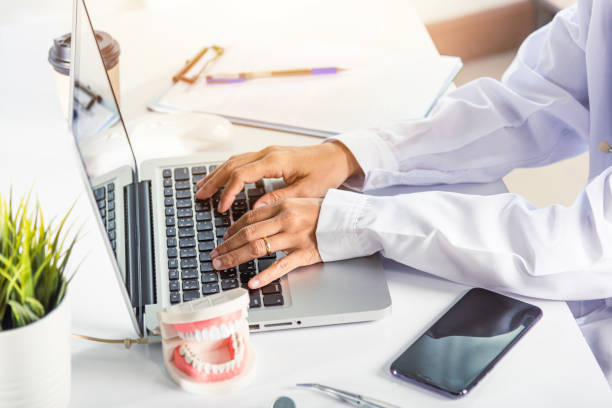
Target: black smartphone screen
[(465, 343)]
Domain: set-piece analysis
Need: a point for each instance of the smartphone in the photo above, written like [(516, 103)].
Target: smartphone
[(459, 349)]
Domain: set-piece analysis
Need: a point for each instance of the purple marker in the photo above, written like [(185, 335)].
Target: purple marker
[(244, 76)]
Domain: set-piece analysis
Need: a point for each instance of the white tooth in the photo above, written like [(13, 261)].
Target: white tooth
[(231, 365), (188, 359), (200, 366), (198, 335), (231, 327), (181, 335), (204, 334), (221, 368), (214, 333), (207, 368), (182, 350), (224, 331), (215, 369)]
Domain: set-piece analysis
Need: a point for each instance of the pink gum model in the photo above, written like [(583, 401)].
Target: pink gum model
[(206, 343)]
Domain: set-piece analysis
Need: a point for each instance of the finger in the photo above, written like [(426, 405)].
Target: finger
[(215, 180), (281, 267), (253, 249), (249, 233), (249, 173), (293, 190), (252, 217)]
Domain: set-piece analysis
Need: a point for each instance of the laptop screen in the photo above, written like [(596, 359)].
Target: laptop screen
[(98, 128)]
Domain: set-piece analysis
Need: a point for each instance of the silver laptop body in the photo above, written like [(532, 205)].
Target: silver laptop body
[(160, 235)]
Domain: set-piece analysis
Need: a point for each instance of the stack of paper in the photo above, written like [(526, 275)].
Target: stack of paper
[(378, 86)]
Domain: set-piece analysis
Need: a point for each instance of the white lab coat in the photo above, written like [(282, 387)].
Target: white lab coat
[(554, 102)]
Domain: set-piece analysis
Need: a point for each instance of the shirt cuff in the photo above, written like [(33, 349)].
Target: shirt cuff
[(338, 234), (370, 151)]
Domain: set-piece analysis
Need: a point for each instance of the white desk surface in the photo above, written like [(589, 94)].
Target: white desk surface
[(551, 366)]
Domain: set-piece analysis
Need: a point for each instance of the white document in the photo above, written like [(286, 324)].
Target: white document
[(378, 86)]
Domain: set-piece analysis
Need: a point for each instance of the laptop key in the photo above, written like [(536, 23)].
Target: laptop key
[(188, 253), (168, 192), (208, 277), (198, 170), (167, 173), (228, 273), (173, 274), (171, 242), (181, 174), (271, 288), (204, 226), (204, 256), (203, 216), (247, 266), (101, 204), (169, 211), (110, 187), (254, 299), (168, 201), (111, 225), (111, 206), (111, 196), (167, 182), (189, 263), (247, 276), (205, 236), (182, 194), (182, 185), (184, 203), (273, 299), (175, 297), (99, 193), (265, 263), (206, 267), (189, 274), (172, 263), (222, 222), (186, 232), (174, 286), (202, 205), (170, 232), (190, 284), (210, 288), (227, 284), (190, 295), (172, 253), (206, 246), (185, 222), (111, 215), (184, 213), (170, 222), (221, 231), (187, 243)]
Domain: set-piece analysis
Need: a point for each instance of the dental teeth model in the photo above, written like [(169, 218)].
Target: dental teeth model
[(206, 342)]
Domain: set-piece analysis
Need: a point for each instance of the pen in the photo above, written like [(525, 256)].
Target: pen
[(245, 76), (349, 397)]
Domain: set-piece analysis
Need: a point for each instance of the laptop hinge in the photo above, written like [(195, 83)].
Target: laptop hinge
[(147, 262), (140, 265)]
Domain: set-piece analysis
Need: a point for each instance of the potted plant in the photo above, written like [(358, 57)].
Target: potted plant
[(34, 312)]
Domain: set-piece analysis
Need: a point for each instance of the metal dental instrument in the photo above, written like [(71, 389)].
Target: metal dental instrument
[(349, 397)]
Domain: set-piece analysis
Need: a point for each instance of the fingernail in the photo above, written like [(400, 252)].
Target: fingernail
[(254, 284), (217, 263), (214, 253)]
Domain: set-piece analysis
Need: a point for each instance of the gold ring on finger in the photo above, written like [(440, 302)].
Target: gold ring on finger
[(268, 248)]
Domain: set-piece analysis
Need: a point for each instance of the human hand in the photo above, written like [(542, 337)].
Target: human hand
[(309, 171), (288, 225)]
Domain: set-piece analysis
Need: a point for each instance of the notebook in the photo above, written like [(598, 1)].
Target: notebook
[(377, 86)]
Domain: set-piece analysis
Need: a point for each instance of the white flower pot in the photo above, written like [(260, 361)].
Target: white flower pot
[(35, 362)]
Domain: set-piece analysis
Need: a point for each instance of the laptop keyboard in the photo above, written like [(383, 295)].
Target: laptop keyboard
[(105, 198), (194, 227)]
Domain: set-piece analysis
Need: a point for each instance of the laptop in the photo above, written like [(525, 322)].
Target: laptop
[(160, 236)]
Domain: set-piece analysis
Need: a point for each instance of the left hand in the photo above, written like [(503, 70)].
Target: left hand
[(289, 225)]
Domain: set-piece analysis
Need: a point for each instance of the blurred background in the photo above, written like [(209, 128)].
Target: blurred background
[(484, 33)]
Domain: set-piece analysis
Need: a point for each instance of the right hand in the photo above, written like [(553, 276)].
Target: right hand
[(309, 171)]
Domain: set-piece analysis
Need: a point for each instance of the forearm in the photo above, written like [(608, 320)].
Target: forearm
[(499, 242)]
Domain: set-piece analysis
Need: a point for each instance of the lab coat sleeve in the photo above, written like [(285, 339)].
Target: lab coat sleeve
[(499, 242), (536, 115)]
